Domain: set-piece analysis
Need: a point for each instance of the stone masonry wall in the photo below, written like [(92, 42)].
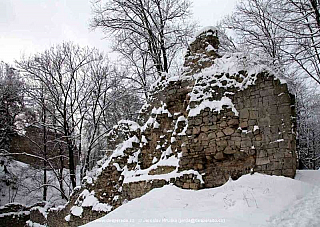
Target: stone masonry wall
[(222, 145)]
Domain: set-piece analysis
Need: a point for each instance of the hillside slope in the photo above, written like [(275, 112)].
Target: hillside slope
[(252, 200), (18, 179)]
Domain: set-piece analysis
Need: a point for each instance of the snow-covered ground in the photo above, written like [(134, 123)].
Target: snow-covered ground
[(305, 211), (252, 200)]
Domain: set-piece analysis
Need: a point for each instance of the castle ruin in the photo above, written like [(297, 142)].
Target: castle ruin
[(223, 117)]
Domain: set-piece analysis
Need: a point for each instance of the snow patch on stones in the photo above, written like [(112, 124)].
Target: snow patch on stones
[(87, 199), (213, 105)]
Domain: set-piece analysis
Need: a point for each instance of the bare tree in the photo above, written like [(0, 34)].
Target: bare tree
[(255, 31), (15, 115), (11, 103), (111, 101), (285, 32), (19, 179), (47, 143), (81, 92), (301, 23), (63, 70), (136, 63), (101, 83), (146, 30), (308, 120)]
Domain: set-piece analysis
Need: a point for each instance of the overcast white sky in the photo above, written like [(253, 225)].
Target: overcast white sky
[(30, 26)]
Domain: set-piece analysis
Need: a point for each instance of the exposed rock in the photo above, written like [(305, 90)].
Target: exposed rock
[(228, 131), (219, 156)]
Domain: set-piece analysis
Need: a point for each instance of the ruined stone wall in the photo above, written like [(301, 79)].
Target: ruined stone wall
[(261, 138), (219, 119), (29, 142), (15, 214)]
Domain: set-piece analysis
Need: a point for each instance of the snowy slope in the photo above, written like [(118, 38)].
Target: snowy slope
[(27, 180), (252, 200), (305, 211)]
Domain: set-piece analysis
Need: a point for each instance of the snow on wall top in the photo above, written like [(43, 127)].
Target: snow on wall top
[(206, 30), (214, 84)]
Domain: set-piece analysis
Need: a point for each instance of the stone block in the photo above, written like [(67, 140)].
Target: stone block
[(265, 101), (198, 121), (222, 143), (199, 167), (186, 185), (204, 128), (254, 115), (213, 118), (288, 154), (228, 131), (277, 165), (223, 124), (235, 138), (196, 130), (229, 150), (273, 109), (213, 127), (285, 144), (244, 113), (246, 144), (203, 136), (194, 186), (244, 124), (288, 163), (264, 93), (212, 144), (247, 103), (205, 142), (262, 154), (252, 122), (262, 161), (211, 135), (264, 121), (257, 144), (219, 156), (276, 172), (285, 98), (237, 144), (289, 172), (233, 122), (220, 134)]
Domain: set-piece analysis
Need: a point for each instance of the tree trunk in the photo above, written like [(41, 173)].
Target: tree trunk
[(61, 172), (71, 163), (316, 11), (45, 188)]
